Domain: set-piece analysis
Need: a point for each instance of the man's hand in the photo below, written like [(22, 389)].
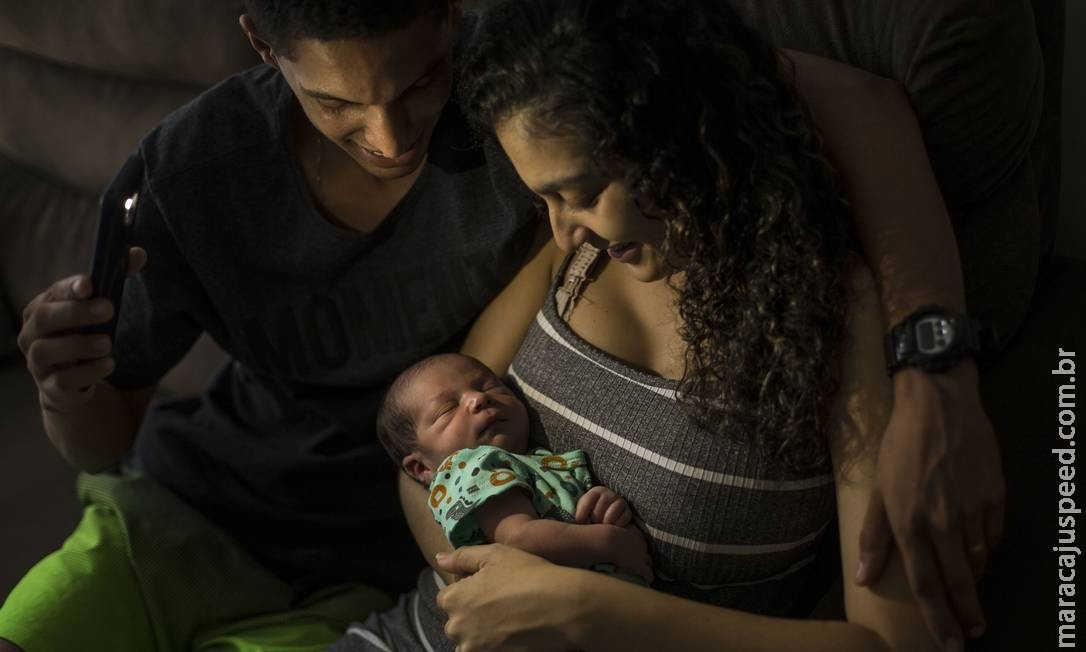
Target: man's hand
[(601, 505), (66, 364), (939, 494)]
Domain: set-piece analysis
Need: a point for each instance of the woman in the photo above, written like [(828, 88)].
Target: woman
[(722, 366)]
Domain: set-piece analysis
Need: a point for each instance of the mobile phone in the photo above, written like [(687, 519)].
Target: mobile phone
[(109, 264)]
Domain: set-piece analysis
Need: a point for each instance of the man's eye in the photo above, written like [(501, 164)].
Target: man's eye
[(332, 106)]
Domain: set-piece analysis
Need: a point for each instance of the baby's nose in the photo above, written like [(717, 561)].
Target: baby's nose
[(477, 401)]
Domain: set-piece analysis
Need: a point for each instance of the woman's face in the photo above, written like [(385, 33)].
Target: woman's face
[(584, 204)]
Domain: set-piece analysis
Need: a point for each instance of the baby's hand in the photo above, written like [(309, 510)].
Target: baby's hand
[(601, 505), (631, 553)]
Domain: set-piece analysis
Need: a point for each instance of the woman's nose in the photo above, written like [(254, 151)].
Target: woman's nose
[(568, 234)]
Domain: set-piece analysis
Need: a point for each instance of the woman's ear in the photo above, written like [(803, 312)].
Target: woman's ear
[(417, 468)]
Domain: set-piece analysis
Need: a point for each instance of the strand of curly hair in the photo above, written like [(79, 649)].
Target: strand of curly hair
[(698, 114)]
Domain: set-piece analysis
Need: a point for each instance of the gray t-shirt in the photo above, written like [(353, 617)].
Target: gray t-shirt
[(280, 449)]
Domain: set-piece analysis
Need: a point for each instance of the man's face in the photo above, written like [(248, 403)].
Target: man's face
[(458, 403), (379, 98)]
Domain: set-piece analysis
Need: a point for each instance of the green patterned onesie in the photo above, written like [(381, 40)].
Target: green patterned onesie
[(471, 476)]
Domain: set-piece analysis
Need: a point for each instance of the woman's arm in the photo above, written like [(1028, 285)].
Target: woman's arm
[(596, 613), (494, 340), (942, 496), (498, 332)]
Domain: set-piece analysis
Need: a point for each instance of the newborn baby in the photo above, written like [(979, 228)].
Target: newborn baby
[(453, 425)]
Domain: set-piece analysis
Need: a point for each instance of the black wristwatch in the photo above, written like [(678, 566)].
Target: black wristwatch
[(935, 338)]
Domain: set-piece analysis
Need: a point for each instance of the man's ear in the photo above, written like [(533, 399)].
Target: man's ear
[(417, 468), (262, 47)]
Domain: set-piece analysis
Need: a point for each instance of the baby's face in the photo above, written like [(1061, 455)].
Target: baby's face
[(457, 403)]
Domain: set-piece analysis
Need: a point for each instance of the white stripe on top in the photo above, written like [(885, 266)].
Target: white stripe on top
[(418, 623), (549, 330), (727, 548), (799, 565), (366, 634), (706, 475)]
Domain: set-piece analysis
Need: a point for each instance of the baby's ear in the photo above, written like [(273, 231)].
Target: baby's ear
[(417, 468)]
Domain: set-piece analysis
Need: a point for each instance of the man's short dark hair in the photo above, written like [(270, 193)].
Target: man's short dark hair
[(283, 22)]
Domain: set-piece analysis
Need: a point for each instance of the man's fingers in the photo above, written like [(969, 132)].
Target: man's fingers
[(929, 589), (137, 258), (61, 316), (961, 585), (72, 287), (976, 547), (68, 289), (45, 355), (876, 540), (77, 378)]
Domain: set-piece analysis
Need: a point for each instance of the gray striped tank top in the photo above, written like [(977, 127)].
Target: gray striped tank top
[(725, 524)]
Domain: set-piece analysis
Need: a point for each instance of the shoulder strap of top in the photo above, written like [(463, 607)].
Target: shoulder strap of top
[(579, 271)]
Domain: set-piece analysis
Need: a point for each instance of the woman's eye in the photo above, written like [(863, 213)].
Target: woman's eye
[(424, 81), (583, 204)]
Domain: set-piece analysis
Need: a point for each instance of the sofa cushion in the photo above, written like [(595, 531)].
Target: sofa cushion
[(75, 125), (46, 232), (193, 41), (972, 69)]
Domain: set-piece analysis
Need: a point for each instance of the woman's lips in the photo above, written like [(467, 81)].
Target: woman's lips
[(625, 252)]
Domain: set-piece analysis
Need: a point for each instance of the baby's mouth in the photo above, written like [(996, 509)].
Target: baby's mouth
[(488, 429)]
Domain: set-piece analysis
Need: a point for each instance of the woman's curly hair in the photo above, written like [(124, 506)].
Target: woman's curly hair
[(699, 116)]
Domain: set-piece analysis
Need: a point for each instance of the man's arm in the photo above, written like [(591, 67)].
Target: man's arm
[(876, 144), (939, 489), (94, 435), (90, 422)]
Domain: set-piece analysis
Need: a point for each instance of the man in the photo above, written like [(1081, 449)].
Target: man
[(328, 219)]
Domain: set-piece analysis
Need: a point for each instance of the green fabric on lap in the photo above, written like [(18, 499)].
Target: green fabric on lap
[(144, 571), (91, 577)]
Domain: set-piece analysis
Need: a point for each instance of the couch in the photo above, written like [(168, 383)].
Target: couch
[(83, 81)]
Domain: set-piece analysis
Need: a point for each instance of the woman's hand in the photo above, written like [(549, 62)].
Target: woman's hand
[(510, 600), (939, 493)]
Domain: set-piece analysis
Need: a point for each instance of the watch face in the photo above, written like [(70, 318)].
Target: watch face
[(934, 335)]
